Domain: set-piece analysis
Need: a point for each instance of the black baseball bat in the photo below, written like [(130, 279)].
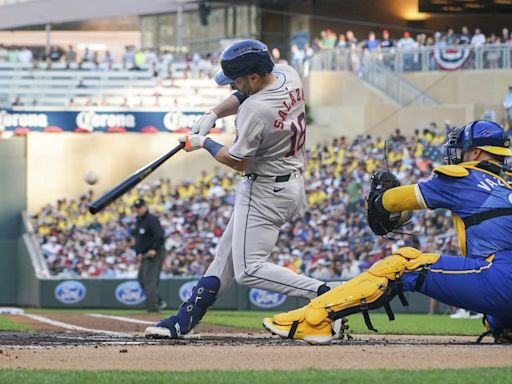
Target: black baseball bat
[(132, 180)]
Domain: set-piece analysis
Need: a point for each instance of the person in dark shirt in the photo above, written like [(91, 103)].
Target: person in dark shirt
[(386, 42), (149, 241)]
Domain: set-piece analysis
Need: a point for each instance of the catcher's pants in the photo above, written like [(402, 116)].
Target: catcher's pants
[(262, 206), (479, 285)]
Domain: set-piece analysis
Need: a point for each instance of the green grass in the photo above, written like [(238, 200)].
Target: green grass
[(452, 376), (7, 324), (405, 323)]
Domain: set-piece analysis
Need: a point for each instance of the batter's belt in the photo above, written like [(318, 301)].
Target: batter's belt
[(276, 179)]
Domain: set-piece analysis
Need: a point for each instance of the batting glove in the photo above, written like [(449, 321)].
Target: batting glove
[(203, 125), (192, 142)]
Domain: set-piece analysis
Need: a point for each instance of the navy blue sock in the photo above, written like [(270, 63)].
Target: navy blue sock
[(192, 311), (322, 289)]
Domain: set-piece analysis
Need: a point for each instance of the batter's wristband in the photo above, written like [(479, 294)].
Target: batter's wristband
[(212, 146), (241, 98)]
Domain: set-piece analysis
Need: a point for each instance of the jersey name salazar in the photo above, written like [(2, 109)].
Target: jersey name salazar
[(271, 126), (294, 96)]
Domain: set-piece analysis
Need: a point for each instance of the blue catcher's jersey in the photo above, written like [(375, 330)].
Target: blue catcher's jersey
[(478, 192)]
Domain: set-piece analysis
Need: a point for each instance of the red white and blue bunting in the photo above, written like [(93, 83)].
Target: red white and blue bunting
[(451, 59)]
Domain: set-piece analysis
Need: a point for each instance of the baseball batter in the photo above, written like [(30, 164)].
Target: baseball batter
[(269, 149)]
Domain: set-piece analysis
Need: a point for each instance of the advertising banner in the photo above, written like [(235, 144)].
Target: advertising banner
[(87, 120)]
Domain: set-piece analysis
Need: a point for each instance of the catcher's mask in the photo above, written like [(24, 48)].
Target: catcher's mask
[(485, 135)]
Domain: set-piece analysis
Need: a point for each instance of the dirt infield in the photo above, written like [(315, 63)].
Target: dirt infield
[(116, 343)]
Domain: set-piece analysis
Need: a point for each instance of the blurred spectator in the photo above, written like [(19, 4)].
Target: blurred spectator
[(276, 56), (451, 37), (353, 60), (342, 42), (351, 40), (478, 39), (17, 102), (493, 54), (465, 36), (308, 54), (86, 57), (108, 59), (139, 59), (407, 43), (328, 39), (371, 43), (25, 56), (128, 57), (12, 54), (70, 57), (507, 104), (386, 41), (152, 58), (297, 58), (3, 53), (55, 54), (505, 36)]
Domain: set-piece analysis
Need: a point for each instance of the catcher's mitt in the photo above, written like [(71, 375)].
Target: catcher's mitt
[(381, 221)]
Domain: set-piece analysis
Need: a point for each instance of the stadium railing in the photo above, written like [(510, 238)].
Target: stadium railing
[(34, 248), (426, 58)]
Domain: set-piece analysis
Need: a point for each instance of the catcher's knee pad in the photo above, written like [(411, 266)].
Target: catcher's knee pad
[(372, 289), (192, 311)]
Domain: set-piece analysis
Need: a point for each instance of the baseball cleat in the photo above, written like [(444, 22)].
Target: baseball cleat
[(157, 333), (321, 334)]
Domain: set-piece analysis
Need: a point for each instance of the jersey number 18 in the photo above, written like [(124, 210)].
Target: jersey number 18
[(298, 135)]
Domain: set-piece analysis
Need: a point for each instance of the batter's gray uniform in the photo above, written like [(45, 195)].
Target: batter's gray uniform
[(270, 130)]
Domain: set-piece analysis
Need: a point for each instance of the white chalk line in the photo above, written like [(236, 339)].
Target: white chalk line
[(121, 318), (190, 335), (61, 324)]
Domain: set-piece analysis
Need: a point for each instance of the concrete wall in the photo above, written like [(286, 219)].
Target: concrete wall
[(13, 198), (486, 88), (343, 104)]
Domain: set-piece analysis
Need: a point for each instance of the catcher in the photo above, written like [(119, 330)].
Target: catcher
[(472, 186)]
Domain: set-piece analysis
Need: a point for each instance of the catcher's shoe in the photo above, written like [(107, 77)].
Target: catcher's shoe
[(501, 335), (320, 334)]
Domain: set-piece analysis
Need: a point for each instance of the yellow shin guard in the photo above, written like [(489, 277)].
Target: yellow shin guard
[(372, 289)]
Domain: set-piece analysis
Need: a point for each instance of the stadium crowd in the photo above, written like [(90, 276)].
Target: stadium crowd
[(345, 51), (201, 64), (196, 65), (329, 240)]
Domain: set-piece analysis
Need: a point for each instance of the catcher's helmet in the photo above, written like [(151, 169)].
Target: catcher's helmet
[(243, 58), (486, 135)]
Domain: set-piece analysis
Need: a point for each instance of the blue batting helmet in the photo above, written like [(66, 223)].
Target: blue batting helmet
[(486, 135), (243, 58)]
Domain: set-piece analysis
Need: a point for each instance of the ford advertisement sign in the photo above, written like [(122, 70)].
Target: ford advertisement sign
[(70, 292), (185, 290), (130, 293), (266, 299)]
